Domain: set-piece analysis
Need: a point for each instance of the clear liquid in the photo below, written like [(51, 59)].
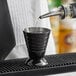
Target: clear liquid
[(37, 22)]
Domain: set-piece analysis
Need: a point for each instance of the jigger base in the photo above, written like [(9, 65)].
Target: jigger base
[(41, 62)]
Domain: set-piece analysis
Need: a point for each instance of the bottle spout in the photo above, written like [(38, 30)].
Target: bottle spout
[(53, 12), (49, 15), (62, 12)]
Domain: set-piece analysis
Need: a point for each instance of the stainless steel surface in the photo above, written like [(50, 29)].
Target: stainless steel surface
[(63, 11), (64, 74), (36, 30), (36, 40), (43, 62), (53, 12)]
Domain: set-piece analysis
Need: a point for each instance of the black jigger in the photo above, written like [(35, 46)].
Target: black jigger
[(36, 40)]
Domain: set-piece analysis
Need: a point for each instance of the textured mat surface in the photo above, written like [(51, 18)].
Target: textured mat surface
[(57, 64)]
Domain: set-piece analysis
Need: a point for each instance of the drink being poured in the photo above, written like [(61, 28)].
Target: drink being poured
[(63, 28), (62, 11), (37, 22)]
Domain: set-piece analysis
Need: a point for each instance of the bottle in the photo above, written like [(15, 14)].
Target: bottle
[(54, 20), (63, 28), (62, 11)]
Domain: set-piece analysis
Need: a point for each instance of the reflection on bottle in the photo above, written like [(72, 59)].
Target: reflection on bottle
[(63, 33), (62, 11)]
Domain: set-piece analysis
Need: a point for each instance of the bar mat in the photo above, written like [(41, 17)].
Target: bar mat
[(57, 64)]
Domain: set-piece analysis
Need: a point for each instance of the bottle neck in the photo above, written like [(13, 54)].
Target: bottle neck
[(54, 12), (62, 11)]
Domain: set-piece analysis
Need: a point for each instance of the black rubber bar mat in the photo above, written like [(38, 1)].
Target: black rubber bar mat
[(57, 64)]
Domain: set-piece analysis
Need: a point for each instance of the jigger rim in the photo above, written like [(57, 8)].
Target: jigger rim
[(40, 30)]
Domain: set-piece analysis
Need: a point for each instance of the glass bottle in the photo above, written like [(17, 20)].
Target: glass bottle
[(63, 28)]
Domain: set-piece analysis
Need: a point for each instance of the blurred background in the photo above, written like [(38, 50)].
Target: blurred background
[(24, 14), (63, 30)]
